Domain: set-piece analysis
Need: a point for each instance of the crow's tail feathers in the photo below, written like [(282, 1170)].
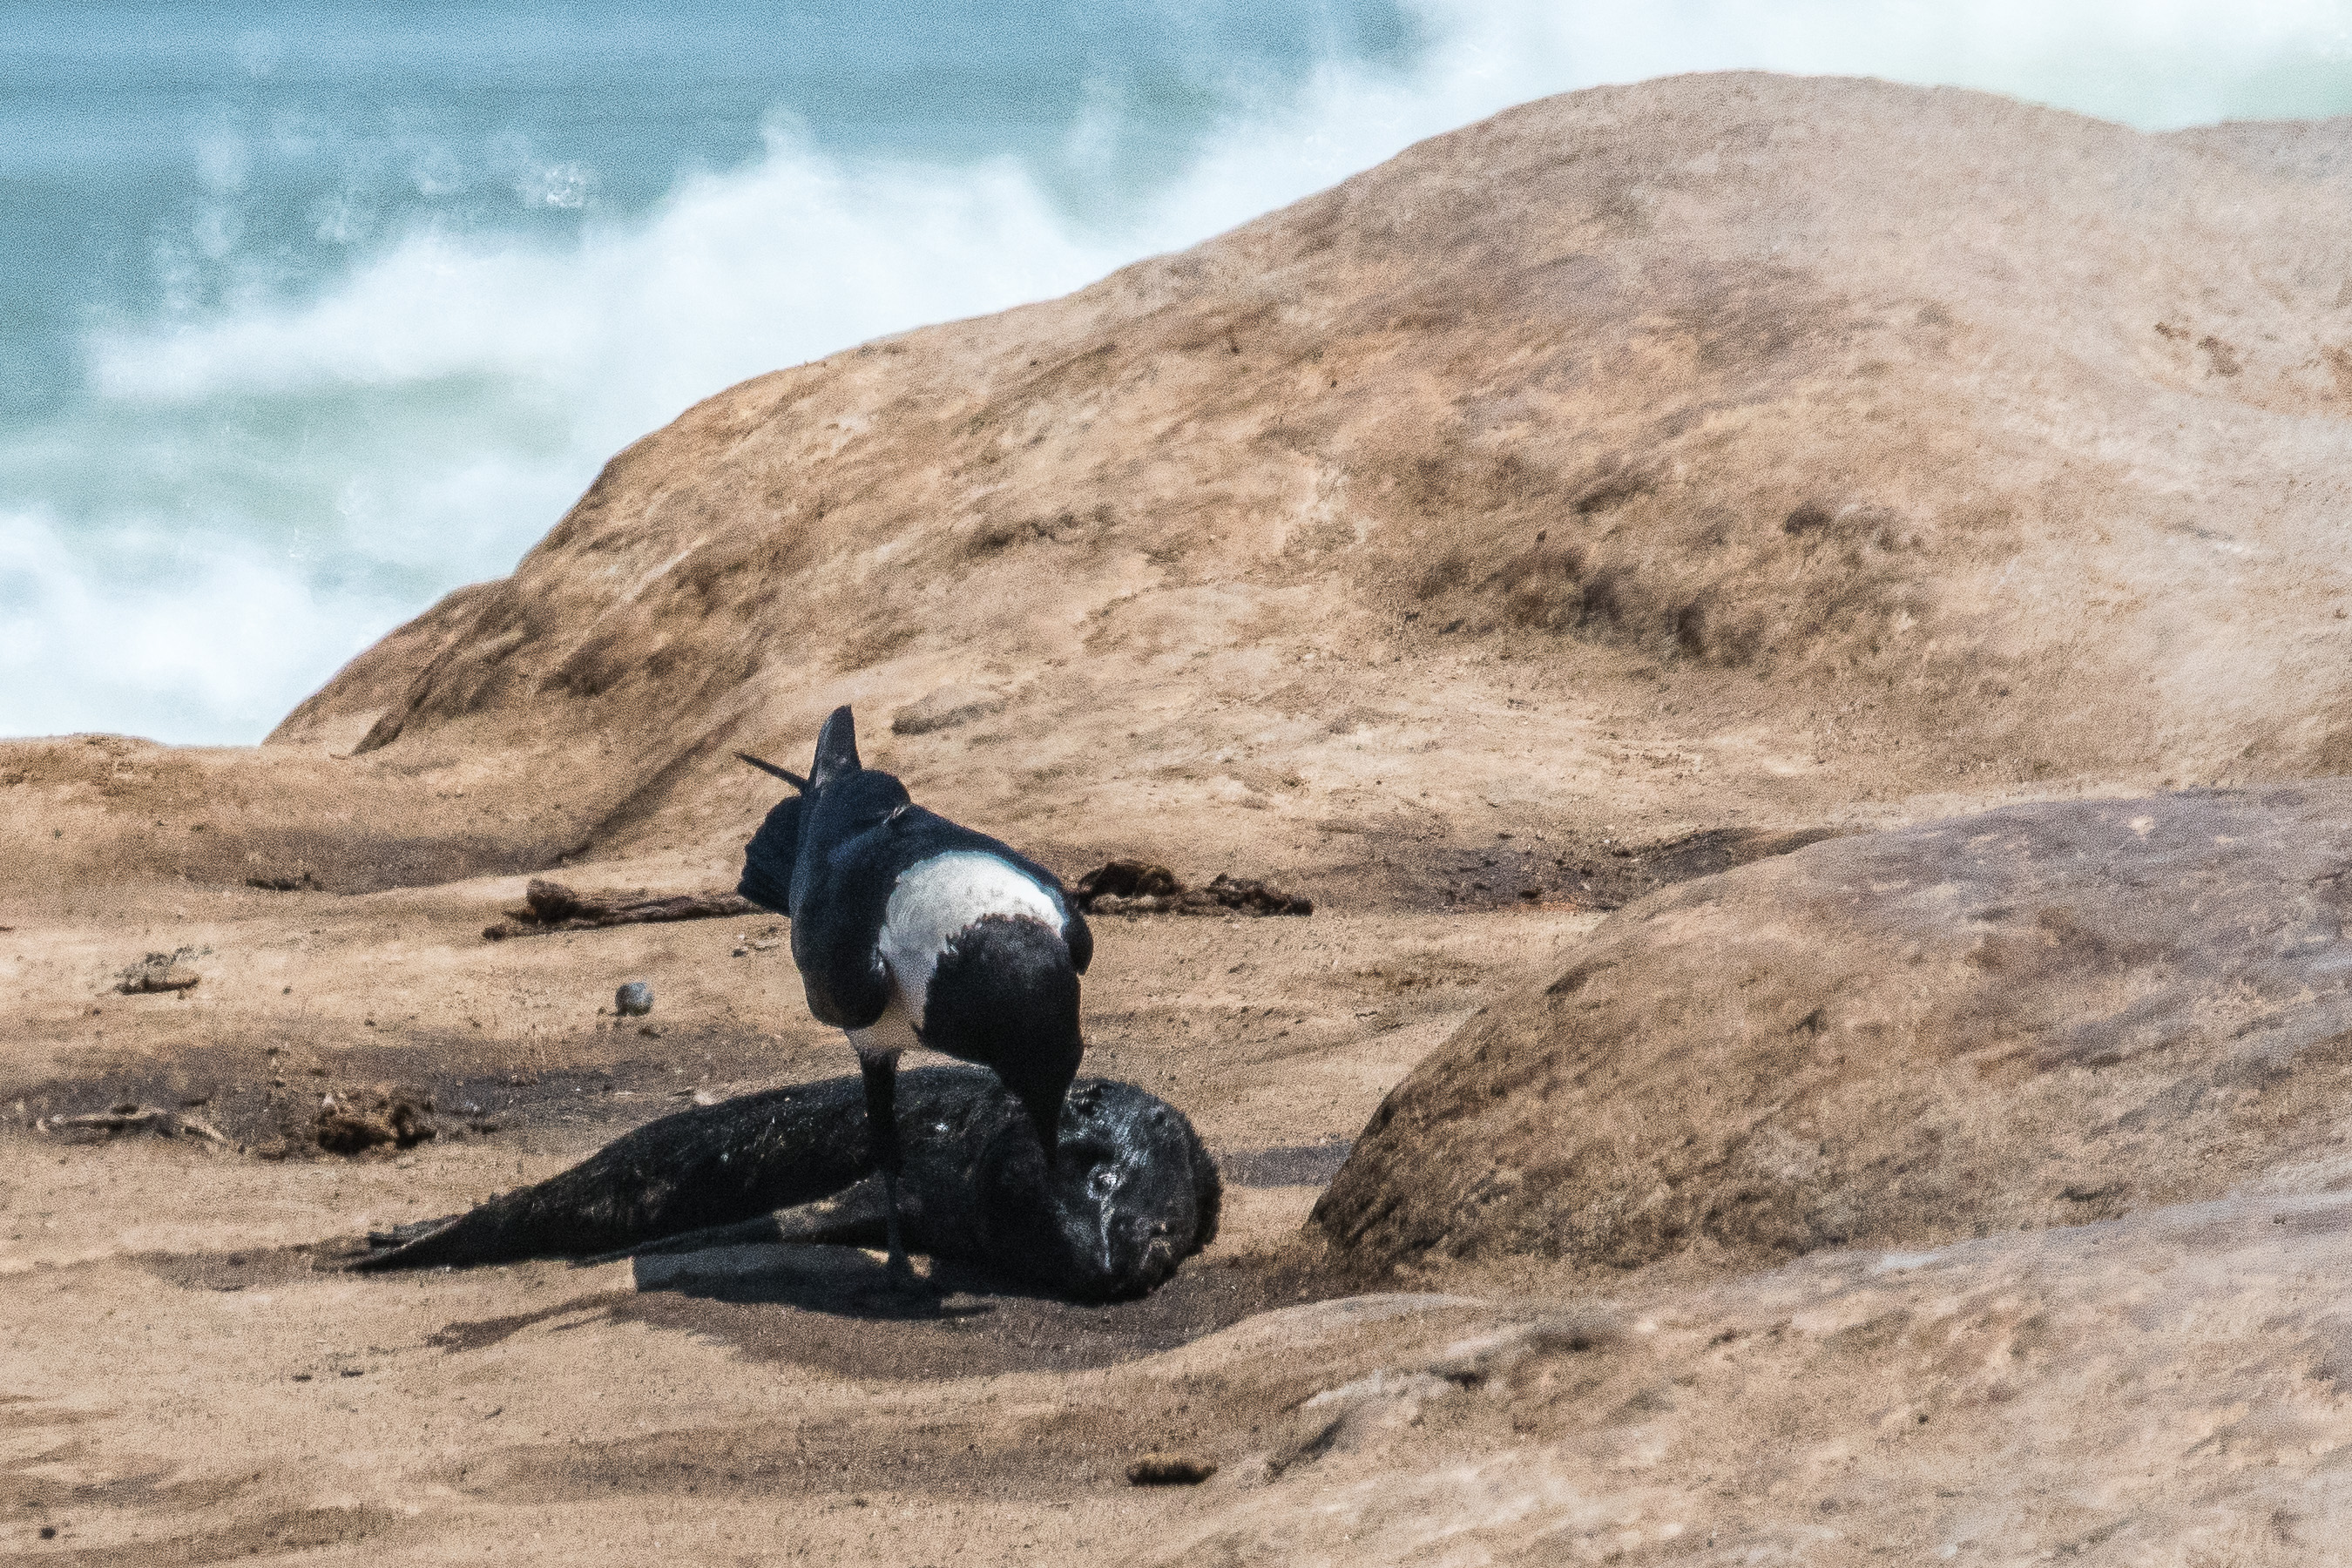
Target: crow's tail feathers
[(768, 858), (765, 766)]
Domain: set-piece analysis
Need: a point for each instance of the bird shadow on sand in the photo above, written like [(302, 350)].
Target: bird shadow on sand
[(837, 1280), (834, 1309)]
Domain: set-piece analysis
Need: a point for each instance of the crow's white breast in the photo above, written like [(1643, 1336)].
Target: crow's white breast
[(934, 900)]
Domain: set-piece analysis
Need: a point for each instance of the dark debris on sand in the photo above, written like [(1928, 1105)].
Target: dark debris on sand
[(1169, 1470), (1139, 888), (352, 1124), (129, 1116), (158, 971)]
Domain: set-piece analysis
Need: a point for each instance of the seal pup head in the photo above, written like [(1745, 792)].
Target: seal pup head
[(1132, 1194)]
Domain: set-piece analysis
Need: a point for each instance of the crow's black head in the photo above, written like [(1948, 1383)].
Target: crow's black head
[(1005, 995), (836, 750)]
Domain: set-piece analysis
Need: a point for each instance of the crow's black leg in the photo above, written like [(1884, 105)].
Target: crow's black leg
[(881, 1071)]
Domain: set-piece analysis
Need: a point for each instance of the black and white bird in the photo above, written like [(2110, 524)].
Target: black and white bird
[(911, 929)]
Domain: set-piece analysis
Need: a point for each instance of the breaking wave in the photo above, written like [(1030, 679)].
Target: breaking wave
[(243, 488)]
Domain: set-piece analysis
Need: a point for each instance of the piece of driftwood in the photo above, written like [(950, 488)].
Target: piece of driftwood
[(132, 1117), (552, 906), (1139, 888), (158, 972)]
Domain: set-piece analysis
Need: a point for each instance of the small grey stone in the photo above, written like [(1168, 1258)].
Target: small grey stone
[(633, 1000)]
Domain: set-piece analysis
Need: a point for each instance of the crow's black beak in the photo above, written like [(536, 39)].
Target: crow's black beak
[(1045, 1116)]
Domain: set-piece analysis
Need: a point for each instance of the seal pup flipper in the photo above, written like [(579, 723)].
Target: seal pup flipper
[(761, 1232), (857, 1216), (854, 1217)]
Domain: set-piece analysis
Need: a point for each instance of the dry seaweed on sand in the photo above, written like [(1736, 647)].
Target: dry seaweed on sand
[(353, 1123), (1141, 887)]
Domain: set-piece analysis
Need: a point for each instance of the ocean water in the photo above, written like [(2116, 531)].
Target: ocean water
[(309, 312)]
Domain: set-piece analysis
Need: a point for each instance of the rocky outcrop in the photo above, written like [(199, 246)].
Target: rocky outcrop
[(2037, 1017), (1746, 447)]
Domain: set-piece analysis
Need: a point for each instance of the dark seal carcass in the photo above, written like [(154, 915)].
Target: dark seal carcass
[(1131, 1194)]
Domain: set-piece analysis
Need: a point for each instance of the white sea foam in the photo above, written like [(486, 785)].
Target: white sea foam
[(431, 414), (180, 642), (734, 274)]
